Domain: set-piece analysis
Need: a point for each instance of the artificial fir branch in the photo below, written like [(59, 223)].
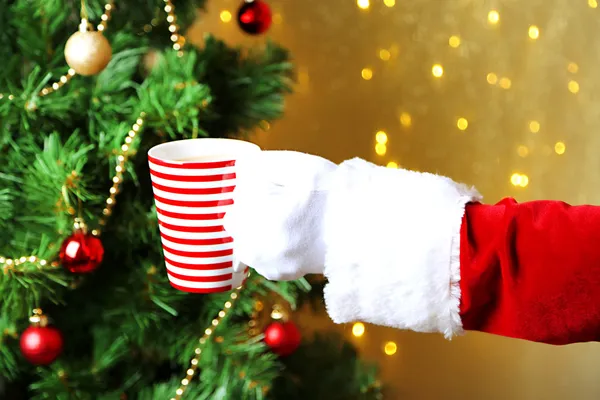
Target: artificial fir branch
[(347, 377)]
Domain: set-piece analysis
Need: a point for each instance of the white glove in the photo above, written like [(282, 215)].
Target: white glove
[(276, 219)]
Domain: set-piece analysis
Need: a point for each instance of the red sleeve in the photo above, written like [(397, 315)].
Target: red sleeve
[(531, 271)]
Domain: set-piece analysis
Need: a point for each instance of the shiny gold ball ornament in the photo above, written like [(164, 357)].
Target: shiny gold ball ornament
[(88, 52)]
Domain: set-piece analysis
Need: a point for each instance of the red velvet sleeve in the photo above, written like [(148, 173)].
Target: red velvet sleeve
[(531, 271)]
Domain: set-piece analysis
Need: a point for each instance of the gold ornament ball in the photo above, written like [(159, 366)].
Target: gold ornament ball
[(88, 52)]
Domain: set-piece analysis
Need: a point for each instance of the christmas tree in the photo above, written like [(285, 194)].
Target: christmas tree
[(86, 309)]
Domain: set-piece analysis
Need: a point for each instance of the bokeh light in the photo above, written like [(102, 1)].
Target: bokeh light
[(390, 348), (534, 126), (573, 68), (523, 151), (493, 17), (381, 137), (385, 54), (454, 41), (518, 179), (380, 149), (534, 32), (437, 70), (363, 4), (573, 86), (358, 329), (505, 83), (405, 119), (225, 16)]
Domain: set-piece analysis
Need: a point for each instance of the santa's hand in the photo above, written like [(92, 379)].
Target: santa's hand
[(276, 219)]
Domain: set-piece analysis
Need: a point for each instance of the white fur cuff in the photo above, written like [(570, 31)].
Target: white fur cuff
[(393, 243)]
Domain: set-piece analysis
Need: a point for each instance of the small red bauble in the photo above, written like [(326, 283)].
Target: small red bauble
[(41, 345), (81, 253), (283, 337), (254, 17)]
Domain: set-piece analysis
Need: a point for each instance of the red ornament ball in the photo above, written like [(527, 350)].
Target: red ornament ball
[(41, 345), (254, 17), (283, 338), (81, 253)]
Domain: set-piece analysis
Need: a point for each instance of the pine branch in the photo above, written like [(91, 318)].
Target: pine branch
[(248, 88), (6, 205), (172, 95), (9, 367), (346, 378)]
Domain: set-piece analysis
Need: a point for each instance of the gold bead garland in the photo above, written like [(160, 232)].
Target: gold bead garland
[(63, 80), (119, 169), (10, 97), (10, 264), (207, 334), (104, 18), (253, 323), (177, 39), (253, 331)]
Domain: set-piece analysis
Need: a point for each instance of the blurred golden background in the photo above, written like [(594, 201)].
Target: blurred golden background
[(504, 95)]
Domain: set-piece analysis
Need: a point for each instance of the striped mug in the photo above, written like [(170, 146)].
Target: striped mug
[(193, 182)]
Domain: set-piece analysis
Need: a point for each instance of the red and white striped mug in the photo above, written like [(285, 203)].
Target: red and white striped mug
[(193, 182)]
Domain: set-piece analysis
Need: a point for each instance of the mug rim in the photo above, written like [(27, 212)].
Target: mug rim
[(208, 146)]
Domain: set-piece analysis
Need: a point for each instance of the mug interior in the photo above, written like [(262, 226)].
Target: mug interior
[(206, 149)]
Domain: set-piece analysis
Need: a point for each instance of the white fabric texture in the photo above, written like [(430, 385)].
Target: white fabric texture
[(393, 246), (276, 219)]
